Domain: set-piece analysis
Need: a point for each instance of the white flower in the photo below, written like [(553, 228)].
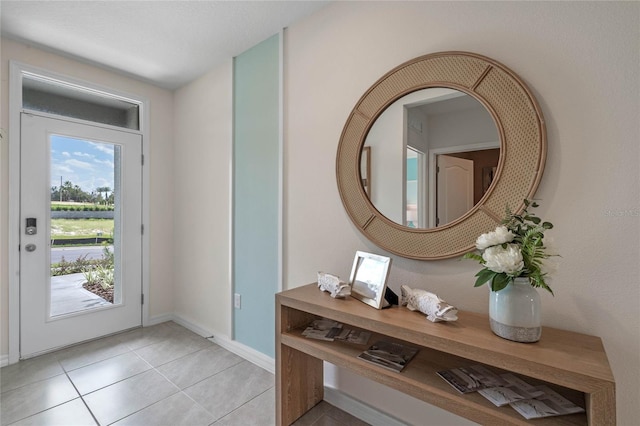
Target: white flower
[(500, 236), (507, 260)]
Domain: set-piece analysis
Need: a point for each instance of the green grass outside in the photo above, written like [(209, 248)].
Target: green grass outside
[(80, 228)]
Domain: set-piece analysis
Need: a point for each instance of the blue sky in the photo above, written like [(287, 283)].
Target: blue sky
[(86, 164)]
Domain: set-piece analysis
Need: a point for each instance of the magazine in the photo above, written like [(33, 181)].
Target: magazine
[(531, 402), (516, 389), (329, 330), (357, 337), (471, 379), (549, 404), (323, 329), (390, 355)]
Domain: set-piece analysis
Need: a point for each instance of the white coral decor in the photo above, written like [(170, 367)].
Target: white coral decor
[(500, 236), (506, 260)]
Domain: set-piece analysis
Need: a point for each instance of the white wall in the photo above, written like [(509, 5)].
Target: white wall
[(581, 61), (202, 166), (161, 170), (466, 127), (386, 139)]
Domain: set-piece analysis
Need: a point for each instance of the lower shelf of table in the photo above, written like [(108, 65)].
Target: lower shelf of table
[(419, 379)]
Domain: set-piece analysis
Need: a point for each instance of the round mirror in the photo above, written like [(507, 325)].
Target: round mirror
[(467, 78), (430, 157)]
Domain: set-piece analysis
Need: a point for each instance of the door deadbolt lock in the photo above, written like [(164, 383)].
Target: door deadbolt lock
[(31, 228), (30, 247)]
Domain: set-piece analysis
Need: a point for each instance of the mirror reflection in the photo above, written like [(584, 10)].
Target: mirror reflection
[(369, 278), (431, 156)]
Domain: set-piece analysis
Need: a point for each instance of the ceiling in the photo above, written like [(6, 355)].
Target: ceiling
[(167, 43)]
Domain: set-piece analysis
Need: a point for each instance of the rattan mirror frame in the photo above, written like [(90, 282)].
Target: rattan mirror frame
[(523, 147)]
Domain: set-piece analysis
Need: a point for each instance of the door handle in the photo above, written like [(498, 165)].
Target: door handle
[(30, 247)]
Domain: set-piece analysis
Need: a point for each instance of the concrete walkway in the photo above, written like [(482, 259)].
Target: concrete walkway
[(67, 295)]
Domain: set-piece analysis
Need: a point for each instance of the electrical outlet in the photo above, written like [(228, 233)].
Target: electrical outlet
[(237, 301)]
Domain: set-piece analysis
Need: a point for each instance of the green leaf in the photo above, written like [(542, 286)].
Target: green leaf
[(474, 256), (500, 281), (484, 276), (484, 272), (547, 225)]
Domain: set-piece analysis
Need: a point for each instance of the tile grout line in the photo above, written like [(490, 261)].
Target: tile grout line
[(200, 381), (57, 405), (119, 381), (93, 362), (180, 357), (145, 407), (129, 350), (82, 399), (115, 336), (242, 405), (152, 368), (155, 368), (176, 359), (135, 375), (214, 374), (32, 383)]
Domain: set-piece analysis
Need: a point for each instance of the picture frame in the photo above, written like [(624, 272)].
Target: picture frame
[(368, 280)]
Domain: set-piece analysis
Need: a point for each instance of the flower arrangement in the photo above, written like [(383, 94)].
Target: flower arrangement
[(515, 249)]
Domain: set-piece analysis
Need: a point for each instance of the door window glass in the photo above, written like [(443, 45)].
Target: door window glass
[(85, 225)]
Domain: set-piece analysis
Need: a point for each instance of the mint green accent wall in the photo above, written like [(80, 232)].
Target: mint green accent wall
[(412, 168), (255, 187)]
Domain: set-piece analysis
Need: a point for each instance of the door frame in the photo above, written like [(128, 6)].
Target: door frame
[(433, 155), (16, 71), (421, 187)]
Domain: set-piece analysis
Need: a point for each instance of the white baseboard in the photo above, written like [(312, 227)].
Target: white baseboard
[(359, 409), (4, 360), (190, 325), (158, 319), (250, 354)]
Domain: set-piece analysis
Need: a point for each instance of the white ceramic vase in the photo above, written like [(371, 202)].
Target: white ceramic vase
[(515, 312)]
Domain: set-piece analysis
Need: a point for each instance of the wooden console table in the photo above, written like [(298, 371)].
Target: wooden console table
[(573, 364)]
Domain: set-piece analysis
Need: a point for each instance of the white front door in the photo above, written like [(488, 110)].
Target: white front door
[(91, 177), (455, 188)]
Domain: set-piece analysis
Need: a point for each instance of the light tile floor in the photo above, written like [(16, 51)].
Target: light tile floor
[(160, 375)]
